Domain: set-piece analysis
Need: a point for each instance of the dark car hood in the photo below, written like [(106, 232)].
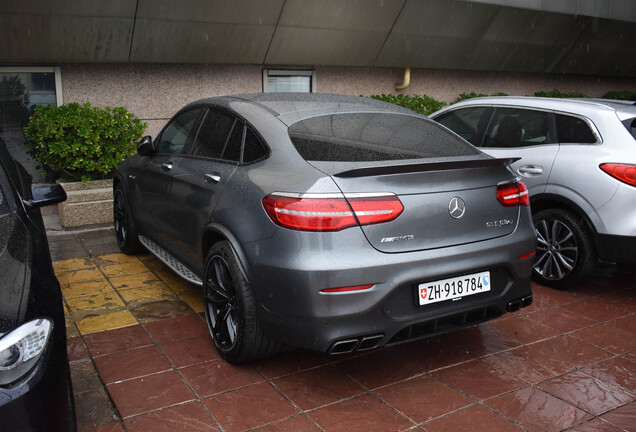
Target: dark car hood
[(13, 269)]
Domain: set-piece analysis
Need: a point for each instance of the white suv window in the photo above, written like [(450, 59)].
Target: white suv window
[(572, 129), (465, 122), (514, 127), (630, 124)]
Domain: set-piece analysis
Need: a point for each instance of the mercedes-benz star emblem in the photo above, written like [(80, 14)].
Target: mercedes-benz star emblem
[(456, 207)]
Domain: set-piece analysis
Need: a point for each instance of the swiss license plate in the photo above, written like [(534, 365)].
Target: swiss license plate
[(453, 288)]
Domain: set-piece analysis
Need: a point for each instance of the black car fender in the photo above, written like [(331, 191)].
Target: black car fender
[(216, 232)]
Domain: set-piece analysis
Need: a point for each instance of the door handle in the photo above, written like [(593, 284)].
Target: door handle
[(167, 166), (530, 170), (212, 178)]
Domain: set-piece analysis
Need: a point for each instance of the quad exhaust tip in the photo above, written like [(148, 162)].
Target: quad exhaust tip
[(356, 344)]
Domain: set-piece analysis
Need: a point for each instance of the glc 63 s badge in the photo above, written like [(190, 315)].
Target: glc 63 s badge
[(499, 223)]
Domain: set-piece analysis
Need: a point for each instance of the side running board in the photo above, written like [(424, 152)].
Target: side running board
[(170, 261)]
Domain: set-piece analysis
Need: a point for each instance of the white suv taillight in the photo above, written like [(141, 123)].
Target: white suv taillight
[(316, 212), (513, 194), (622, 172)]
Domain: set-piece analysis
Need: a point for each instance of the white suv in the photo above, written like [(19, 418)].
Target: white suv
[(578, 159)]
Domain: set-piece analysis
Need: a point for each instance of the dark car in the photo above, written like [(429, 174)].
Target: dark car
[(35, 382), (334, 223)]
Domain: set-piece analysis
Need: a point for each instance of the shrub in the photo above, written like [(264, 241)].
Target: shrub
[(464, 96), (620, 95), (421, 104), (80, 142), (559, 94)]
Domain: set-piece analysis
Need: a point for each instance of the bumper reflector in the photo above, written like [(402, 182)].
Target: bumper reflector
[(346, 289), (528, 255)]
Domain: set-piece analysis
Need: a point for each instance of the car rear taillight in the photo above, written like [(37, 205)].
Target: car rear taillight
[(513, 194), (330, 213), (622, 172)]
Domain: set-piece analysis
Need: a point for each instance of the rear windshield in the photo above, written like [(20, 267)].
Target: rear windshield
[(369, 137)]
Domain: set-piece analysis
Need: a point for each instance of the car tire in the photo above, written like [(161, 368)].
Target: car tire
[(125, 229), (565, 249), (230, 308)]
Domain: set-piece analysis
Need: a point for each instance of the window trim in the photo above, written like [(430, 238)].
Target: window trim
[(290, 72)]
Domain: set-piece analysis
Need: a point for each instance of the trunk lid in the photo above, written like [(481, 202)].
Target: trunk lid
[(430, 192)]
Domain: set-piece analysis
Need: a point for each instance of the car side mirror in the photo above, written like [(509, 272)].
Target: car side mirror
[(45, 195), (145, 147)]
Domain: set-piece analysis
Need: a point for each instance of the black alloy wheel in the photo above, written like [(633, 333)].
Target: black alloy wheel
[(565, 250), (221, 304), (230, 308), (125, 230)]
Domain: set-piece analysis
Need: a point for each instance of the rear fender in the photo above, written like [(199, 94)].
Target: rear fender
[(545, 201), (215, 233)]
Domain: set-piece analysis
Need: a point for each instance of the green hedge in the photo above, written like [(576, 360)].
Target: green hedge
[(427, 105), (620, 95), (554, 93), (421, 104), (79, 142)]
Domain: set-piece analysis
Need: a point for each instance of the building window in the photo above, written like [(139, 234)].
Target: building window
[(24, 88), (283, 81)]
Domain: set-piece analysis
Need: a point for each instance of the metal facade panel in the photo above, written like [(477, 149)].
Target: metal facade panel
[(189, 42), (341, 32), (570, 36), (296, 46), (261, 12), (66, 30), (86, 8), (41, 38), (202, 31)]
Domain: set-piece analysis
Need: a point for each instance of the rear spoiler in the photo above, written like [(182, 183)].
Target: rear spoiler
[(426, 166)]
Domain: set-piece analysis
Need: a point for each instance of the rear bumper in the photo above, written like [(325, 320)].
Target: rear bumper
[(294, 311), (619, 249)]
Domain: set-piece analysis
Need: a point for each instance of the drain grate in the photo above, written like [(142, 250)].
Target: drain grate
[(170, 261)]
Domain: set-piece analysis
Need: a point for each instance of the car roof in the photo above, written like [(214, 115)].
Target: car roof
[(558, 104), (292, 107)]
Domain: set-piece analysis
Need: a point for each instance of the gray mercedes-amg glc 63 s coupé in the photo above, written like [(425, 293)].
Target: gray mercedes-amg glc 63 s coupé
[(334, 223)]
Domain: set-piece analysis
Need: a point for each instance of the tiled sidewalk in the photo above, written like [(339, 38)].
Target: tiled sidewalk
[(142, 360)]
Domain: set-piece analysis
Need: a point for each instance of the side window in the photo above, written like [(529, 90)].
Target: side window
[(213, 135), (4, 205), (232, 150), (468, 123), (630, 124), (573, 130), (513, 127), (254, 148), (174, 138)]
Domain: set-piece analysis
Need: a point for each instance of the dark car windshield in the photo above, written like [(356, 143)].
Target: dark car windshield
[(369, 137)]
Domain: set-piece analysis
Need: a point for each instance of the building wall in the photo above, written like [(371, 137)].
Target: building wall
[(154, 92)]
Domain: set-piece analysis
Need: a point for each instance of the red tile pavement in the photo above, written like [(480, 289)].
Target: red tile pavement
[(535, 409), (567, 361), (473, 418)]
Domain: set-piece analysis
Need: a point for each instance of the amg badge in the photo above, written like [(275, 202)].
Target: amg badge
[(397, 239)]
